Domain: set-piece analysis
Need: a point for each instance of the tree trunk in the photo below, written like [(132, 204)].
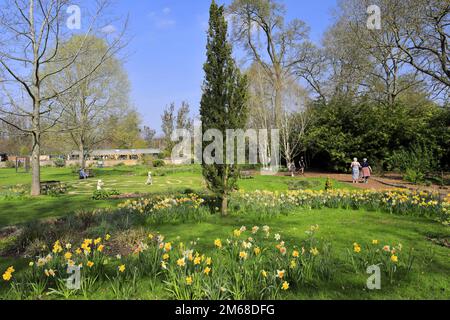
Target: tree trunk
[(278, 106), (36, 166), (224, 205), (278, 86), (82, 159)]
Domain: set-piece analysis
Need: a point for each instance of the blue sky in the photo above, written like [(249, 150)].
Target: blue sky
[(167, 51)]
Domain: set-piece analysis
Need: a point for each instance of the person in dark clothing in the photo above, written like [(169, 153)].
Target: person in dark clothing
[(302, 165), (366, 170)]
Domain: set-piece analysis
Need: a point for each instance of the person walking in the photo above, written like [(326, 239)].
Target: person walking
[(291, 168), (366, 170), (149, 179), (355, 166), (302, 165)]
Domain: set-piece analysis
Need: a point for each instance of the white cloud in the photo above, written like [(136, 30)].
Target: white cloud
[(162, 20), (109, 29)]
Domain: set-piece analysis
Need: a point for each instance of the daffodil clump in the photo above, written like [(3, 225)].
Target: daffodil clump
[(47, 274), (168, 209), (390, 258), (15, 192), (399, 201), (251, 263)]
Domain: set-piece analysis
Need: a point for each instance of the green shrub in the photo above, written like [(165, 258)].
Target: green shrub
[(414, 176), (328, 184), (55, 190), (158, 163), (10, 164), (104, 194), (414, 163), (59, 163), (147, 160)]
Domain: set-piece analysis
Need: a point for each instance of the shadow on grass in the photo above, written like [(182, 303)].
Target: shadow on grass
[(14, 212)]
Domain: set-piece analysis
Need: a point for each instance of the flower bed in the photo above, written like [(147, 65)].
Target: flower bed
[(168, 209), (265, 203), (251, 263)]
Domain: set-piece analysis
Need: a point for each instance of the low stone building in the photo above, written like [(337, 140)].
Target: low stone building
[(112, 157)]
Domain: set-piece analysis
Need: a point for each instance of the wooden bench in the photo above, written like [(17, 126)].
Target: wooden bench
[(90, 173)]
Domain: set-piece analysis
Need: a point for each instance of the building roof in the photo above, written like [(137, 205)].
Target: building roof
[(120, 152)]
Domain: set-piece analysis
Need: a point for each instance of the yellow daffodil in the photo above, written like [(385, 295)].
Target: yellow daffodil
[(285, 286), (167, 247), (189, 281), (243, 255), (181, 262), (7, 276), (57, 248), (207, 270), (218, 243), (122, 268), (394, 258)]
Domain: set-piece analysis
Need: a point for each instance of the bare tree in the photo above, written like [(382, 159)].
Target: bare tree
[(86, 108), (31, 34), (380, 62), (422, 32), (282, 47), (172, 121), (294, 120)]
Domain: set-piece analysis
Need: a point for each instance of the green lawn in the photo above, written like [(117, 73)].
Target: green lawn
[(428, 280), (123, 179)]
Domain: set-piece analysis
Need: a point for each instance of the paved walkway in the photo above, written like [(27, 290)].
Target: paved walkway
[(380, 183)]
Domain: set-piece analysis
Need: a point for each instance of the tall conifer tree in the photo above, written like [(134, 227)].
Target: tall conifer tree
[(224, 103)]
